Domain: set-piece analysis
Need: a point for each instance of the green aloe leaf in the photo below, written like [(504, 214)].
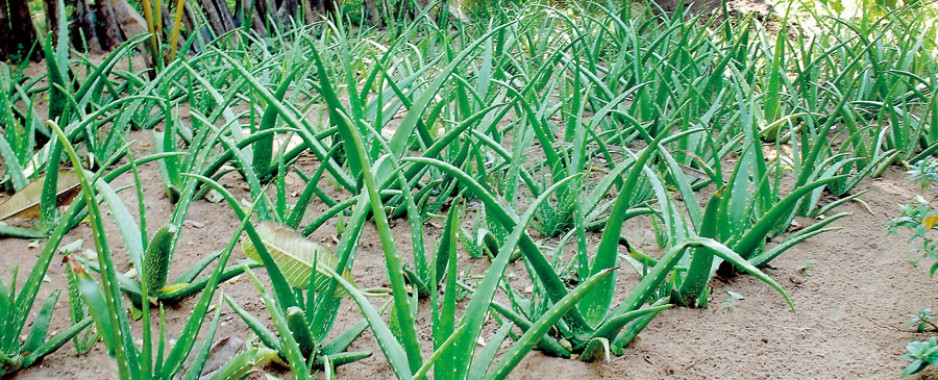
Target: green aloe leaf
[(241, 365), (529, 339), (157, 259), (37, 335)]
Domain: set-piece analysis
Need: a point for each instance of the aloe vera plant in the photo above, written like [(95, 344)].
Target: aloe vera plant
[(306, 266), (106, 307), (153, 254), (515, 140), (18, 139), (604, 327), (451, 338), (297, 266), (15, 353)]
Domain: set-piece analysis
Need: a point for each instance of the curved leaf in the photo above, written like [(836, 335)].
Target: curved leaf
[(295, 256), (24, 205)]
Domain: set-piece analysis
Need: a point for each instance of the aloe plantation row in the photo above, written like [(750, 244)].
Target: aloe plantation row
[(541, 137)]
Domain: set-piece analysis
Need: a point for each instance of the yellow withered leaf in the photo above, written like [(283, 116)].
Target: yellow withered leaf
[(23, 207), (930, 221), (295, 256)]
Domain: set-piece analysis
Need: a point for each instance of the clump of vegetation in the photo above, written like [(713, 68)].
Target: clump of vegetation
[(547, 124), (924, 320), (920, 219), (922, 354)]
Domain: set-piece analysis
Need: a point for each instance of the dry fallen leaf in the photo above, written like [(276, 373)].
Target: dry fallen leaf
[(23, 207), (930, 221)]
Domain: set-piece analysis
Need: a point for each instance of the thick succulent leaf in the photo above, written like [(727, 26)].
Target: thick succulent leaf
[(529, 339), (267, 337), (342, 358), (20, 232), (94, 297), (201, 354), (596, 349), (242, 364), (126, 224), (24, 205), (340, 343), (157, 258), (58, 340), (37, 336), (392, 349), (295, 256), (484, 359), (298, 325)]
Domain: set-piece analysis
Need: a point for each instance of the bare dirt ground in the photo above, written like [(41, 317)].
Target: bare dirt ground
[(850, 321), (849, 324)]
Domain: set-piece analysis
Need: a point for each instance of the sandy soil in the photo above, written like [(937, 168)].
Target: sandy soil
[(850, 319)]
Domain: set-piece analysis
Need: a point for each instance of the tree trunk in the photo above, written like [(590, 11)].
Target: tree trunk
[(320, 8), (52, 18), (372, 9), (329, 6), (214, 20), (315, 9), (260, 16), (286, 12), (131, 22), (226, 16), (188, 17), (23, 37), (5, 31), (81, 31), (109, 33), (308, 12), (218, 15), (255, 13)]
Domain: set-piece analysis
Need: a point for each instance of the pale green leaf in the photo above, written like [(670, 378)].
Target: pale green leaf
[(295, 256)]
